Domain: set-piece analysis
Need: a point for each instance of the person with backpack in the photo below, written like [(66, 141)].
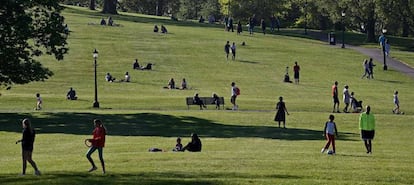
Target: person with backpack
[(235, 91)]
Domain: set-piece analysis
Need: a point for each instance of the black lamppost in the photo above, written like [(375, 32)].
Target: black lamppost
[(343, 28), (306, 16), (383, 43), (95, 103)]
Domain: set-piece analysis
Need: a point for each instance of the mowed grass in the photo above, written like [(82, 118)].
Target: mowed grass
[(239, 147)]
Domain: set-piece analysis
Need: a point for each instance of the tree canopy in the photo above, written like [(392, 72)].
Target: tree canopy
[(28, 29)]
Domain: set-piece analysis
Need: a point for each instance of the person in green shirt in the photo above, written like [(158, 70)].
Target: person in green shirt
[(367, 127)]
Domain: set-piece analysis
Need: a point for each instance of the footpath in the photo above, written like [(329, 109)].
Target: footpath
[(373, 53)]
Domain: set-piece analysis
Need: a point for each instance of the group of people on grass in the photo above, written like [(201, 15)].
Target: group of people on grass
[(171, 84), (348, 99), (368, 69), (366, 127), (230, 49), (97, 143), (163, 29)]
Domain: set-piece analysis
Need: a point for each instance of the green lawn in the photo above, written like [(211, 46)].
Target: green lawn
[(239, 147)]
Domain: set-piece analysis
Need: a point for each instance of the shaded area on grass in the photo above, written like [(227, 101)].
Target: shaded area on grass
[(149, 178), (153, 124)]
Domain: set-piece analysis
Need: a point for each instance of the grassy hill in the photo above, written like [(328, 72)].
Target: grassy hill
[(239, 147)]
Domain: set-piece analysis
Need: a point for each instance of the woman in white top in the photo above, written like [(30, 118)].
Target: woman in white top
[(329, 132)]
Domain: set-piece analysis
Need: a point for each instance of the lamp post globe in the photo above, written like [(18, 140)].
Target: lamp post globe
[(95, 57), (383, 43)]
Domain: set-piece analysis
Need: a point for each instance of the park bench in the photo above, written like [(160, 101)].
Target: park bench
[(206, 100)]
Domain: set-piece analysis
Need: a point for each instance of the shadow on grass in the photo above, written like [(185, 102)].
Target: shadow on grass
[(153, 124), (148, 178)]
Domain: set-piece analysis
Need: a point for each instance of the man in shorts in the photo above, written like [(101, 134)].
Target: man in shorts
[(367, 127), (335, 97)]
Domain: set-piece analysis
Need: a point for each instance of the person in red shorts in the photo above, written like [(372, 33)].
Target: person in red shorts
[(98, 142)]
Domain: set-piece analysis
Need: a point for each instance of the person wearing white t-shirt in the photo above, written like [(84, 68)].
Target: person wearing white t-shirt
[(346, 97), (39, 102), (329, 132)]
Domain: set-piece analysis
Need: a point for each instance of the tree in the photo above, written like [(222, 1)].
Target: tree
[(92, 4), (109, 6), (29, 29)]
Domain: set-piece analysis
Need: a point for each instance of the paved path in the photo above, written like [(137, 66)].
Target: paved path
[(376, 54)]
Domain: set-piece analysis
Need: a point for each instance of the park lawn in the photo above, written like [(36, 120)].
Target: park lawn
[(239, 147)]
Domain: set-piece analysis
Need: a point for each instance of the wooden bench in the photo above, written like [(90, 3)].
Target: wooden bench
[(206, 100)]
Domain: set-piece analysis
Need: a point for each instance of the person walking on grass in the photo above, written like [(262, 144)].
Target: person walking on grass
[(27, 141), (329, 133), (227, 49), (98, 143), (396, 101), (367, 73), (235, 91), (347, 98), (335, 97), (367, 127), (280, 114), (233, 51), (371, 68), (39, 102)]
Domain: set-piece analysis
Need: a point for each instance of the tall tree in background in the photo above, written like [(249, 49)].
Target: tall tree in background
[(28, 29), (92, 4), (109, 6)]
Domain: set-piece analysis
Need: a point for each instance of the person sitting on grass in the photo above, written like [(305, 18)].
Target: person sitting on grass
[(198, 101), (71, 95), (136, 65), (195, 144), (163, 29), (183, 84), (178, 146), (109, 78), (127, 77), (155, 29), (171, 84)]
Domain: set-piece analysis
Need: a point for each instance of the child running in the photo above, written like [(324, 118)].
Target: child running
[(39, 102), (98, 142), (329, 132), (396, 110)]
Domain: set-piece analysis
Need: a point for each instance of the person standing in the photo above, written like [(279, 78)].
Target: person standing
[(371, 68), (346, 97), (396, 101), (367, 127), (335, 97), (296, 70), (329, 133), (251, 25), (234, 93), (230, 25), (272, 23), (280, 114), (39, 102), (27, 141), (239, 28), (98, 143), (263, 24), (233, 51), (227, 49)]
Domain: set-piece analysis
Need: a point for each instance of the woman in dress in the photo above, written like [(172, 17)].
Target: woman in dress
[(280, 114)]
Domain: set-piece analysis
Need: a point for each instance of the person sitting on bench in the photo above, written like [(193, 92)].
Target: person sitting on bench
[(198, 101), (216, 101), (71, 95)]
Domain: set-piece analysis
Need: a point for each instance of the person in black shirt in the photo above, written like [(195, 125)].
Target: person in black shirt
[(27, 141), (194, 145)]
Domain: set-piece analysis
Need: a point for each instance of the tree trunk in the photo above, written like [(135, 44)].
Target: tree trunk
[(92, 5), (405, 27), (371, 25), (109, 7)]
